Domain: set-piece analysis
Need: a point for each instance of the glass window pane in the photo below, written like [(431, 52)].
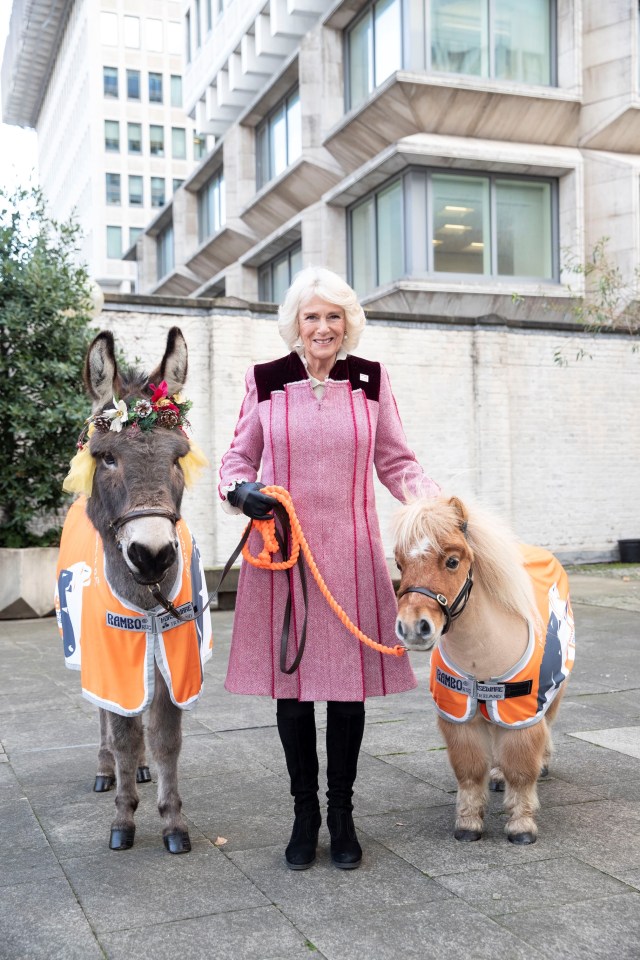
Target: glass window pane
[(132, 32), (178, 143), (388, 39), (135, 191), (133, 84), (134, 137), (295, 260), (176, 183), (361, 60), (459, 36), (157, 192), (156, 140), (197, 13), (113, 188), (390, 234), (110, 81), (363, 253), (523, 226), (109, 28), (264, 284), (294, 128), (176, 91), (280, 279), (134, 233), (522, 40), (278, 153), (461, 234), (165, 254), (223, 202), (112, 136), (114, 243), (155, 88), (262, 155), (154, 35)]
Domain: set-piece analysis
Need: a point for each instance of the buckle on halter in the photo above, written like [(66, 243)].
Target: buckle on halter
[(442, 600)]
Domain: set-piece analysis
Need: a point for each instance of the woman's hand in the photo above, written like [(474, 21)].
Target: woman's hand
[(248, 498)]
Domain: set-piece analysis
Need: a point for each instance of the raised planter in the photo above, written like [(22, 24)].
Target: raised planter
[(27, 581), (629, 551)]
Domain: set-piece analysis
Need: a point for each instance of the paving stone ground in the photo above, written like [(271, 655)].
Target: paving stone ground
[(574, 894)]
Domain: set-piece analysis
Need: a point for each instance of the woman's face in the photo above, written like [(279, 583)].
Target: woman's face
[(322, 327)]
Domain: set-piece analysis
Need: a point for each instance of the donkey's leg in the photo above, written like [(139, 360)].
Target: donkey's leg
[(165, 739), (521, 755), (143, 774), (106, 775), (468, 750), (126, 741)]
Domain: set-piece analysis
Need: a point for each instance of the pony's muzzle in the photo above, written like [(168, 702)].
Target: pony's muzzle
[(420, 635)]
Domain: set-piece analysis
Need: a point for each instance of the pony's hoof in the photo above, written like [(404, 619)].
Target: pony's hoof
[(143, 775), (468, 836), (103, 783), (177, 842), (497, 786), (522, 839), (122, 838), (544, 772)]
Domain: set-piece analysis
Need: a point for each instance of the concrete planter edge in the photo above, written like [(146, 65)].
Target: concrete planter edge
[(27, 582)]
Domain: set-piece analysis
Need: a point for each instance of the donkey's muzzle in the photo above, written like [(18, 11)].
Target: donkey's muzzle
[(151, 565)]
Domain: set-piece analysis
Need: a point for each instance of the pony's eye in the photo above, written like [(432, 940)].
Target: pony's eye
[(109, 459), (452, 563), (399, 567)]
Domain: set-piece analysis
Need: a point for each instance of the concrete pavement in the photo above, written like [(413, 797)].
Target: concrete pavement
[(419, 893)]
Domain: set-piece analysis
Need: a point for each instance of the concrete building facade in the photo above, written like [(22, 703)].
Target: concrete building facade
[(441, 154), (101, 82)]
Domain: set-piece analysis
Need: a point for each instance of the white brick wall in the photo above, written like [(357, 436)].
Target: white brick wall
[(556, 450)]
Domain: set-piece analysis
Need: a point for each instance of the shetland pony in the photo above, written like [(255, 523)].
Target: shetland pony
[(498, 617)]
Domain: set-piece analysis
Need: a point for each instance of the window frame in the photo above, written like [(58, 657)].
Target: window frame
[(158, 206), (134, 123), (155, 99), (130, 75), (108, 140), (265, 271), (368, 11), (265, 125), (135, 177), (157, 153), (111, 231), (116, 180), (164, 242), (116, 76), (208, 230)]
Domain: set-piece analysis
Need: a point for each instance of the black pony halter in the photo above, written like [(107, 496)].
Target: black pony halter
[(450, 612)]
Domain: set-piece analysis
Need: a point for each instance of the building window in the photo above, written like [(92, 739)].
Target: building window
[(197, 14), (178, 143), (112, 136), (136, 197), (164, 252), (373, 49), (113, 189), (134, 233), (110, 81), (187, 36), (156, 140), (463, 224), (199, 146), (155, 88), (211, 206), (275, 277), (109, 29), (505, 39), (132, 32), (278, 139), (114, 243), (133, 84), (209, 4), (134, 137), (174, 37), (154, 35), (157, 192), (176, 183), (176, 91)]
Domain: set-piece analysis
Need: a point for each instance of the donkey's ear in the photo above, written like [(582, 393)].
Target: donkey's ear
[(174, 365), (101, 370), (460, 509)]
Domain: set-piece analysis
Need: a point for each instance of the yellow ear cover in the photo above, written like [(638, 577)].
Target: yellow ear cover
[(81, 471), (193, 463)]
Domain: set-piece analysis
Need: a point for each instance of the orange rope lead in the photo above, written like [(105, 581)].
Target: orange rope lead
[(264, 561)]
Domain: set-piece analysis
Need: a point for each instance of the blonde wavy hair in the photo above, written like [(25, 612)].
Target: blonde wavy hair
[(323, 283)]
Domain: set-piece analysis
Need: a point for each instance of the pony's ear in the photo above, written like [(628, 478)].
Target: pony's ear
[(101, 370), (461, 510), (174, 365)]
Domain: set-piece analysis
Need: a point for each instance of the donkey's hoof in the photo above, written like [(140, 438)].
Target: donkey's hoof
[(122, 838), (103, 783), (544, 772), (468, 836), (522, 839), (143, 775), (497, 786), (177, 842)]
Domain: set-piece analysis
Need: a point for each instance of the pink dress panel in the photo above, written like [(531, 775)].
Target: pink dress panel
[(324, 452)]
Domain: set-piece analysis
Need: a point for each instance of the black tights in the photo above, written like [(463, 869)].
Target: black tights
[(288, 709)]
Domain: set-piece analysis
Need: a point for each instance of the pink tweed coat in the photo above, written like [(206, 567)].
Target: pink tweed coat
[(323, 452)]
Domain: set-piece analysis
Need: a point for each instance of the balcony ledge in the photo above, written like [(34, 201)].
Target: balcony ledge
[(300, 185), (618, 134), (219, 250)]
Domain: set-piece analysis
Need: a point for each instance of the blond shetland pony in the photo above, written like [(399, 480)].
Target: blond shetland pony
[(498, 618)]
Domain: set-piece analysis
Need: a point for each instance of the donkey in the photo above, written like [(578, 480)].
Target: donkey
[(500, 654), (131, 605)]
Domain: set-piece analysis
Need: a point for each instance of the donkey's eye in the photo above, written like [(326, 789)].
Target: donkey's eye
[(109, 459), (452, 563)]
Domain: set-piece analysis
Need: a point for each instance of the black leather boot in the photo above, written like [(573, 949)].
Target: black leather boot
[(345, 727), (297, 729)]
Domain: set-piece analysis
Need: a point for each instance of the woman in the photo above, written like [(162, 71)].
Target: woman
[(318, 421)]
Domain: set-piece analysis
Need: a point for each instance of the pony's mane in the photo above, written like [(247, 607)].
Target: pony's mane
[(498, 563)]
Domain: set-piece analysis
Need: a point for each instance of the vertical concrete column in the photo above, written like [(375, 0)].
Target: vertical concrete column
[(147, 258), (185, 225)]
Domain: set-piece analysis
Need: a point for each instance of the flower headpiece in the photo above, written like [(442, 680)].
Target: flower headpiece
[(159, 411)]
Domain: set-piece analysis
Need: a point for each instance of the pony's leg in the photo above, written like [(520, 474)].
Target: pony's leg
[(106, 775), (143, 774), (126, 741), (468, 751), (550, 717), (521, 754), (165, 739)]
